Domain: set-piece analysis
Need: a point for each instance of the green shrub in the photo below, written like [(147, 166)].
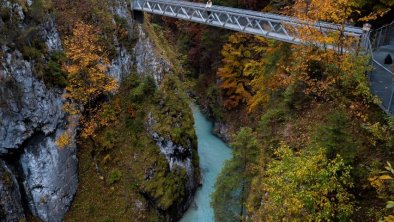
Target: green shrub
[(213, 95), (5, 14), (31, 44), (335, 136), (54, 75), (107, 220), (31, 53), (295, 98), (39, 10), (149, 85), (270, 120), (114, 176)]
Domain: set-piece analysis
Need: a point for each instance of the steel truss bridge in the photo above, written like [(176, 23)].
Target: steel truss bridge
[(278, 27)]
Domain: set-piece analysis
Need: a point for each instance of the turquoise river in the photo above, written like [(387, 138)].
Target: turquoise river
[(213, 152)]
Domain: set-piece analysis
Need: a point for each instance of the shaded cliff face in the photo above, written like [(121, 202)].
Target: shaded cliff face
[(121, 65), (10, 199), (31, 120), (44, 178), (146, 59)]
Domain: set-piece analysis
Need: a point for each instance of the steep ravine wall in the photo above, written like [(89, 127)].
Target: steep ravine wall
[(35, 175), (31, 119)]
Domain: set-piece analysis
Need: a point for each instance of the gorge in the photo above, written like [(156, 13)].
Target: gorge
[(99, 122)]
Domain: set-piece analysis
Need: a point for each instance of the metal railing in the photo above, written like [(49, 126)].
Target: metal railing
[(382, 36), (381, 77)]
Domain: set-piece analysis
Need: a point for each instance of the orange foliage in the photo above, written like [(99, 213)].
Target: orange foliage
[(235, 75), (87, 75), (87, 67)]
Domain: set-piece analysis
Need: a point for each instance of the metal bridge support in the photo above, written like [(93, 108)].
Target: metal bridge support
[(138, 15)]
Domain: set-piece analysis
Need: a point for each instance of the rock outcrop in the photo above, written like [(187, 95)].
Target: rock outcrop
[(31, 119), (221, 130), (175, 154), (10, 199), (122, 64), (50, 174), (146, 60), (27, 105)]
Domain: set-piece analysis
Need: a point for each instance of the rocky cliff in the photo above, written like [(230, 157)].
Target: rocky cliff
[(36, 177), (43, 176), (32, 118), (10, 198)]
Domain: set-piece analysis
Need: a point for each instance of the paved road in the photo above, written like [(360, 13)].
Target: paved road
[(382, 82)]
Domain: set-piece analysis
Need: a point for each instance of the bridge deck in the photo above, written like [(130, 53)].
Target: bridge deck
[(269, 25)]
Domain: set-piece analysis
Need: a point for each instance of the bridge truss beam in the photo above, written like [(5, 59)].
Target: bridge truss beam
[(278, 27)]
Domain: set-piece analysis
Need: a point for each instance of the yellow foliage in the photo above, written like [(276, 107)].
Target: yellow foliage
[(87, 67), (382, 182), (302, 186), (87, 74), (63, 140), (235, 75), (247, 75), (389, 218)]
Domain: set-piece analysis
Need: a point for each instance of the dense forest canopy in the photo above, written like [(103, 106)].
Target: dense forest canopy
[(317, 142), (310, 142)]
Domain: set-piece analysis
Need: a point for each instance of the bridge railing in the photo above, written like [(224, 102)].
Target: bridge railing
[(384, 85), (382, 36)]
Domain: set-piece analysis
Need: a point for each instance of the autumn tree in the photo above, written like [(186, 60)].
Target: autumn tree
[(328, 65), (240, 50), (383, 182), (303, 186), (87, 74), (336, 137), (253, 68), (87, 67)]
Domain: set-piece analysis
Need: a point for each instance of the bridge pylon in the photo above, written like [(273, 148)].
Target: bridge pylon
[(138, 15)]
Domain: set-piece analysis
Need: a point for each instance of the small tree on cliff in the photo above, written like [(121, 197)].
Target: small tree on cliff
[(86, 69)]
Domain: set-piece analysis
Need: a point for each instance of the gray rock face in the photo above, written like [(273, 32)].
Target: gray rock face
[(146, 60), (175, 154), (121, 65), (26, 104), (51, 36), (31, 117), (15, 7), (119, 8), (51, 176), (222, 131), (11, 209)]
